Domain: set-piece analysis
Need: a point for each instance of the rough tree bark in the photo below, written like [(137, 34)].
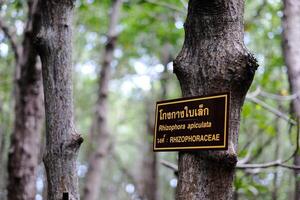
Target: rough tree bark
[(100, 126), (213, 59), (25, 139), (291, 51), (53, 37)]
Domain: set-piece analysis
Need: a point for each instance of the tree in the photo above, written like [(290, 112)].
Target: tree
[(149, 178), (213, 59), (291, 43), (25, 140), (100, 126), (53, 37)]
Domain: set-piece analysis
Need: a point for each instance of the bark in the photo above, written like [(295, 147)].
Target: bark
[(213, 59), (291, 51), (25, 140), (53, 37), (100, 125)]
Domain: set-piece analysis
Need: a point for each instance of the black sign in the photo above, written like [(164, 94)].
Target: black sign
[(192, 123)]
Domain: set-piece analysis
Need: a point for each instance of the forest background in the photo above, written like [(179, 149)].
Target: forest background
[(149, 35)]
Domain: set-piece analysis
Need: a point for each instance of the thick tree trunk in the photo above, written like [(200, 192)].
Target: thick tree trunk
[(100, 126), (291, 51), (26, 137), (213, 59), (53, 39)]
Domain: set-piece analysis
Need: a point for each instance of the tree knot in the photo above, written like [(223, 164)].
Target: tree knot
[(75, 142), (252, 64)]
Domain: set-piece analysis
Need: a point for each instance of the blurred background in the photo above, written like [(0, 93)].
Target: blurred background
[(149, 35)]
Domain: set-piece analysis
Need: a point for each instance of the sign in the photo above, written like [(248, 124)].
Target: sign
[(192, 123)]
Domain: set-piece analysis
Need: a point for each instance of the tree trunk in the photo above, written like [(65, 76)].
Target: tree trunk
[(297, 174), (3, 154), (166, 58), (26, 137), (53, 40), (100, 126), (148, 184), (213, 59), (291, 51), (148, 181), (275, 189)]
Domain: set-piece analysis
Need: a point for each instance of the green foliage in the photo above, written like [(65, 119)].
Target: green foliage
[(146, 26)]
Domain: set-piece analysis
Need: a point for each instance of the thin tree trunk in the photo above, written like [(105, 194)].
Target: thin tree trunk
[(235, 195), (148, 181), (2, 156), (276, 157), (275, 179), (53, 38), (148, 184), (1, 135), (297, 181), (213, 59), (291, 51), (25, 140), (166, 58), (100, 126)]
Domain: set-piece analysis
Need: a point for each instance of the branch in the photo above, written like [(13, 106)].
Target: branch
[(169, 165), (166, 5), (279, 97), (260, 149), (185, 5), (271, 109), (258, 13), (260, 9), (259, 92), (255, 93), (276, 163), (11, 38), (123, 169)]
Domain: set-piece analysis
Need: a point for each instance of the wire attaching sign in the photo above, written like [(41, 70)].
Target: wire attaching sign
[(192, 123)]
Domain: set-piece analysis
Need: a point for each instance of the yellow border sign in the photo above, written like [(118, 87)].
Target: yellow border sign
[(192, 123)]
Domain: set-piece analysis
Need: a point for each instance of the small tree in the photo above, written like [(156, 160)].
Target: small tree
[(100, 132)]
